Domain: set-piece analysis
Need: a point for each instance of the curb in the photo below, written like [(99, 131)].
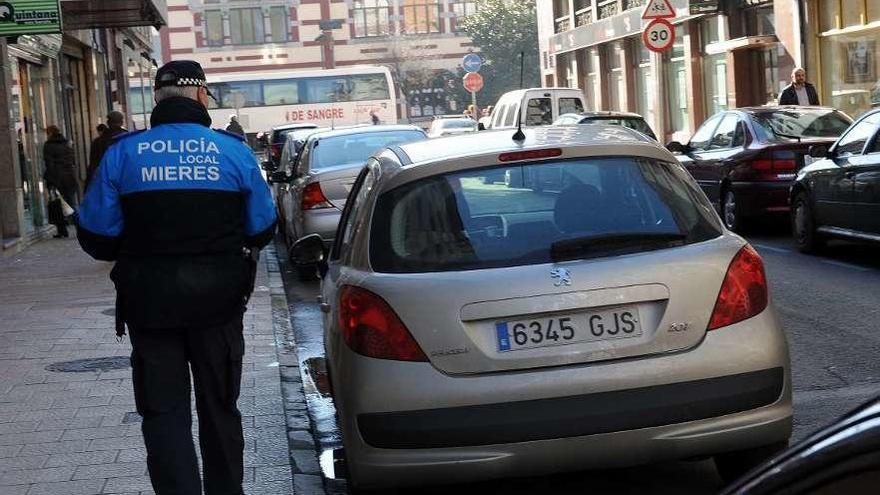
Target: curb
[(307, 477)]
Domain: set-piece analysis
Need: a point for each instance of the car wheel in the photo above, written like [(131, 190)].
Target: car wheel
[(732, 465), (730, 211), (802, 226)]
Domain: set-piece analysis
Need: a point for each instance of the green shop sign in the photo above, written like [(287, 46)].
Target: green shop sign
[(19, 17)]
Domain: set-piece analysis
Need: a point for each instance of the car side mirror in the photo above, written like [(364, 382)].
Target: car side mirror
[(310, 250), (819, 151), (278, 177), (676, 147)]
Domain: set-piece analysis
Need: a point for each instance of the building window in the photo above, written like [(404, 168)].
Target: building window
[(280, 21), (616, 78), (213, 27), (676, 83), (246, 26), (462, 9), (646, 85), (421, 16), (370, 18)]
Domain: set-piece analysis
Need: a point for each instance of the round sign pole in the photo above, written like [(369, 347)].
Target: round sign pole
[(659, 35)]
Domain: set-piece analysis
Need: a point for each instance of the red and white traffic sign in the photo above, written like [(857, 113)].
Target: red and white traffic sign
[(658, 9), (473, 82), (659, 35)]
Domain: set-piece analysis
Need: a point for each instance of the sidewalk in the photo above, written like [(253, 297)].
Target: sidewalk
[(77, 432)]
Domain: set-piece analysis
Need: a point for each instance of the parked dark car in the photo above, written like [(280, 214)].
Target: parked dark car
[(841, 459), (839, 195), (626, 119), (276, 142), (747, 159)]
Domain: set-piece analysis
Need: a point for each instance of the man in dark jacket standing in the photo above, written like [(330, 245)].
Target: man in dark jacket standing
[(115, 121), (179, 208), (234, 127), (799, 92), (60, 171)]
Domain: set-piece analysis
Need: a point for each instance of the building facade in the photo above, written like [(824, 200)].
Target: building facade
[(416, 39), (735, 53), (71, 80)]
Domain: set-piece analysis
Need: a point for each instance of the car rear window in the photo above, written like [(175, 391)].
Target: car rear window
[(353, 149), (786, 125), (538, 213), (458, 124), (628, 122)]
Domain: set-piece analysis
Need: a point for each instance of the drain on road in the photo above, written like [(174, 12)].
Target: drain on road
[(94, 364)]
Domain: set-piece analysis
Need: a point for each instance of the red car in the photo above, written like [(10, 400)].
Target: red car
[(745, 160)]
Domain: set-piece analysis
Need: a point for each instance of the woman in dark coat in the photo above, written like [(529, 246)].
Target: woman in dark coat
[(60, 171)]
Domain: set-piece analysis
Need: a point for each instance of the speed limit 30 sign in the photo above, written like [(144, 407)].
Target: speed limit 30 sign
[(659, 35)]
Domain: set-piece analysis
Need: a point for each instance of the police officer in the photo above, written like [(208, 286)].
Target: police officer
[(179, 207)]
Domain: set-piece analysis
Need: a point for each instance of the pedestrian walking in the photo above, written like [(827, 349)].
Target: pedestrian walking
[(114, 127), (374, 118), (234, 127), (181, 209), (60, 173), (799, 92)]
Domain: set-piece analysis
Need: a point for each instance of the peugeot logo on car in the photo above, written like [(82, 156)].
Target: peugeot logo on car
[(561, 276)]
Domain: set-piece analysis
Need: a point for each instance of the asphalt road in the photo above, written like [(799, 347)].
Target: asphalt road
[(829, 305)]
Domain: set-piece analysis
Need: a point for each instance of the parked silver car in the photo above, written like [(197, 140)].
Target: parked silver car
[(324, 172), (478, 330)]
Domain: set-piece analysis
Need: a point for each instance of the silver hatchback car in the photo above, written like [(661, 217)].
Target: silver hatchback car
[(323, 174), (477, 330)]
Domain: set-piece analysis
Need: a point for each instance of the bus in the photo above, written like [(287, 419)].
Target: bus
[(329, 97)]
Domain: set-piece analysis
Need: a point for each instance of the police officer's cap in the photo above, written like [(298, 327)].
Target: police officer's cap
[(182, 73)]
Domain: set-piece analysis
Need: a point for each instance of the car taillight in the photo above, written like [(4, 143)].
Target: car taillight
[(313, 197), (744, 291), (371, 328), (773, 166)]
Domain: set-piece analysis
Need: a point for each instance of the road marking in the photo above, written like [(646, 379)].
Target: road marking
[(772, 248), (846, 265)]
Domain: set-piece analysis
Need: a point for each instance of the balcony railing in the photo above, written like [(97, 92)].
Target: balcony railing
[(631, 4), (562, 24), (608, 8), (583, 17)]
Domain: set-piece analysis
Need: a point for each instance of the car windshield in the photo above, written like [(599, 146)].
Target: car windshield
[(786, 125), (628, 122), (538, 213), (354, 149)]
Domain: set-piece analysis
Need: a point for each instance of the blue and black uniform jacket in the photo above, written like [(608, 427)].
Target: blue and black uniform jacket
[(175, 206)]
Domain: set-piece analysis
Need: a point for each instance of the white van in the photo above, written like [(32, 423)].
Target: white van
[(540, 106)]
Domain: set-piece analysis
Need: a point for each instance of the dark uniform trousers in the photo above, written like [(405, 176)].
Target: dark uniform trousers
[(161, 361)]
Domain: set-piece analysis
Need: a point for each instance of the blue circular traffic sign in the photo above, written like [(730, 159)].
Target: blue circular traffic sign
[(471, 62)]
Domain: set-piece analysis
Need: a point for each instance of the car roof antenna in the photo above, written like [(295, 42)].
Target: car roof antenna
[(520, 136)]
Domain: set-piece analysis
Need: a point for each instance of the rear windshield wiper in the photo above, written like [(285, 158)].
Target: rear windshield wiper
[(593, 245)]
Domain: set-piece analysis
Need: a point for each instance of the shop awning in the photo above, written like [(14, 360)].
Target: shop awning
[(743, 43), (88, 14)]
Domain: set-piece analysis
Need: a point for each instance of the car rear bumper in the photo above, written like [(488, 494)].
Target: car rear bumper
[(407, 423), (573, 416), (762, 197)]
